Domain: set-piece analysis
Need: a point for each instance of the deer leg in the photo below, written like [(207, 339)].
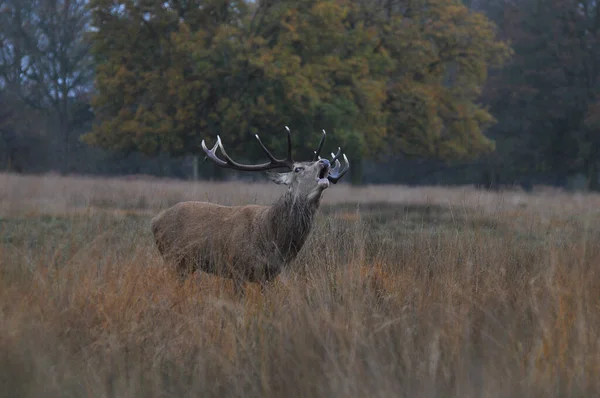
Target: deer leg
[(238, 288), (266, 279), (264, 285), (184, 269)]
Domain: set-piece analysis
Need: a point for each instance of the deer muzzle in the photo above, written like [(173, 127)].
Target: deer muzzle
[(324, 168)]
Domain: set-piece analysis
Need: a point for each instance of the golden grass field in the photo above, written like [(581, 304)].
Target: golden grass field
[(415, 292)]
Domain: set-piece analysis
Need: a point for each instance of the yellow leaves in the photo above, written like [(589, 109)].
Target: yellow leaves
[(435, 123), (329, 11), (442, 54)]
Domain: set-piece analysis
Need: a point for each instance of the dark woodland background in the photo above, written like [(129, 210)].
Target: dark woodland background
[(495, 93)]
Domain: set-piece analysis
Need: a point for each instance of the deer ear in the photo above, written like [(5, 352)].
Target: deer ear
[(279, 178)]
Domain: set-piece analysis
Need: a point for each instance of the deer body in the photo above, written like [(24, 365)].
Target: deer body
[(238, 242), (246, 243)]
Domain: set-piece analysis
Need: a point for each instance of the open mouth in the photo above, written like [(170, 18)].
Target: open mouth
[(323, 173)]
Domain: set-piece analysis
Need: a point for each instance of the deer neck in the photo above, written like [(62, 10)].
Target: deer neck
[(290, 221)]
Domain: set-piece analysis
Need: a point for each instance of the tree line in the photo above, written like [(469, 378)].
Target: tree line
[(436, 91)]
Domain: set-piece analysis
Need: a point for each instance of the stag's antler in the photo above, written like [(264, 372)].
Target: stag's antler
[(274, 163), (335, 173), (317, 157)]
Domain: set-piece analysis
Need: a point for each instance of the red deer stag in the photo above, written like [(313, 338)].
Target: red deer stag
[(248, 243)]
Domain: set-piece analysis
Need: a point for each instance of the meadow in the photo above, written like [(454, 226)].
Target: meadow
[(399, 291)]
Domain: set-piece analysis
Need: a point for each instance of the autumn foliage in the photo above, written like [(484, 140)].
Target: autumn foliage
[(404, 77)]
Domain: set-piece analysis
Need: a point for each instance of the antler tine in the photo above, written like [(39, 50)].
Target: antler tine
[(265, 150), (316, 157), (288, 161), (336, 156), (289, 148), (335, 174), (212, 153)]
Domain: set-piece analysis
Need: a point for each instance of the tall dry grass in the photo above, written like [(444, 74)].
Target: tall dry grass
[(398, 292)]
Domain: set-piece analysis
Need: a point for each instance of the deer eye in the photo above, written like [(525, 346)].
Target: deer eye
[(298, 169)]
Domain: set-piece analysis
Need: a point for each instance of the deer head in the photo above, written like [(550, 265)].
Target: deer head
[(307, 179)]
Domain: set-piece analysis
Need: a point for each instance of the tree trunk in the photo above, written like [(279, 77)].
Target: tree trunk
[(592, 175), (356, 172), (66, 152), (217, 172), (64, 132), (195, 165)]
